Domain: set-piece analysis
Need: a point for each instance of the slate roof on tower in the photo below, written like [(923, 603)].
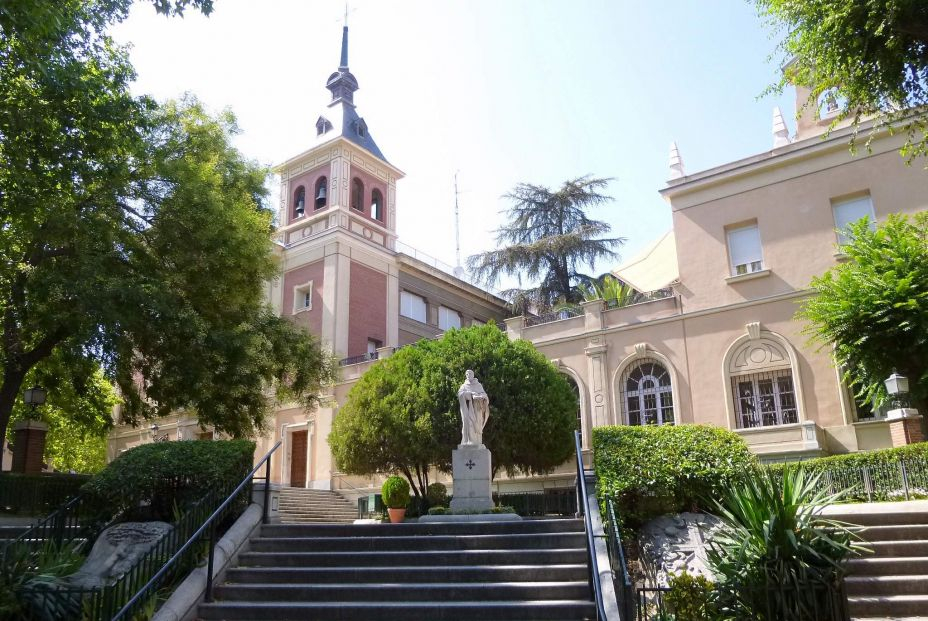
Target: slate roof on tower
[(340, 118)]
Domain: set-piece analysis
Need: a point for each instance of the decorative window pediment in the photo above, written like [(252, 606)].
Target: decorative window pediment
[(758, 355)]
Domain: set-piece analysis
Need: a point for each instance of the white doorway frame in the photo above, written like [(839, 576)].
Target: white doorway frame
[(286, 434)]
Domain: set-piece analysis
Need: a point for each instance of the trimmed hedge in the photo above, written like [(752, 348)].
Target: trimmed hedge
[(883, 468), (650, 471), (153, 480)]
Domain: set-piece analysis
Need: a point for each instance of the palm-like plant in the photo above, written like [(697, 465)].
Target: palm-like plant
[(776, 556), (548, 239), (607, 288)]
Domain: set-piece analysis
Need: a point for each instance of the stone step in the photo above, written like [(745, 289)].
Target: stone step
[(408, 592), (318, 511), (424, 528), (436, 573), (895, 532), (888, 566), (481, 610), (532, 541), (917, 547), (420, 558), (912, 584), (284, 519), (893, 606), (882, 518)]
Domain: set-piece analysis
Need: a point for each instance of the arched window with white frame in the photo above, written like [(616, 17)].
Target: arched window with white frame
[(647, 393)]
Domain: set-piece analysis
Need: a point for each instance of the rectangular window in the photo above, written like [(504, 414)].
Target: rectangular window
[(303, 297), (372, 346), (744, 250), (765, 399), (412, 306), (849, 211), (448, 318)]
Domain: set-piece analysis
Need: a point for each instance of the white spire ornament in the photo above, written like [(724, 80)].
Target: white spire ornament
[(780, 131), (676, 163)]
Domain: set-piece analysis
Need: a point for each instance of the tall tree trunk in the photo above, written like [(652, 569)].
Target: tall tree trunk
[(12, 382)]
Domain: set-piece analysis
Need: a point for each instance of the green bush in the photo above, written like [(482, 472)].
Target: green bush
[(153, 481), (439, 511), (844, 472), (395, 492), (775, 556), (690, 598), (437, 495), (650, 471)]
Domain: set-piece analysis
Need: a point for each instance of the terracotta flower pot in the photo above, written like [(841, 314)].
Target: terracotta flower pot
[(397, 515)]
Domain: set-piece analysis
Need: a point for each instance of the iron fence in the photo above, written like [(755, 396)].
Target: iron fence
[(344, 362), (901, 479), (555, 501), (37, 494), (564, 313), (810, 602), (621, 580)]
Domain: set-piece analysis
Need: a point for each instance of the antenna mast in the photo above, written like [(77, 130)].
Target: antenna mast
[(457, 225)]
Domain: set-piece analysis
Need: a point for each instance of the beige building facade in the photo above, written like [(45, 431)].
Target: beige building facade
[(720, 343)]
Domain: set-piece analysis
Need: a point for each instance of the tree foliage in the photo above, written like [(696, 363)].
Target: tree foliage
[(873, 53), (548, 239), (873, 307), (134, 234), (403, 414)]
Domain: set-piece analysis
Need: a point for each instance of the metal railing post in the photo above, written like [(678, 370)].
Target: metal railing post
[(209, 566), (905, 478), (267, 492)]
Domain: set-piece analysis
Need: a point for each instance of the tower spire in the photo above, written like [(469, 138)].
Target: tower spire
[(344, 61), (342, 83)]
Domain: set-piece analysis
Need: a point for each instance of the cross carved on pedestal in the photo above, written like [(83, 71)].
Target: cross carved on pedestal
[(470, 464)]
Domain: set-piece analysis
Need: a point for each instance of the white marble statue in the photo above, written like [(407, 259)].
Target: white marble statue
[(475, 410)]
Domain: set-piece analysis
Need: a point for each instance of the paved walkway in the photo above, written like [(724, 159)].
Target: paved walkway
[(868, 508)]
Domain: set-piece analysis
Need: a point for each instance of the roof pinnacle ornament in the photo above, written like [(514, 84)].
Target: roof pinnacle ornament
[(676, 163), (780, 131)]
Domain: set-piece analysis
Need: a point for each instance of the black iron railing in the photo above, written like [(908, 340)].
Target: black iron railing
[(344, 362), (621, 580), (640, 298), (37, 494), (810, 602), (564, 313), (192, 537), (207, 530), (553, 501), (593, 564), (902, 479)]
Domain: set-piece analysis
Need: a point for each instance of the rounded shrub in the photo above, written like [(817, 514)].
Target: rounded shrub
[(437, 495), (652, 470), (395, 492)]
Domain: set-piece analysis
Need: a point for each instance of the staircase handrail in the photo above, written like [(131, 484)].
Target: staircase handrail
[(595, 582), (624, 589), (210, 524)]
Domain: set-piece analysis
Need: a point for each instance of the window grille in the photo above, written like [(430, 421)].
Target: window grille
[(647, 393), (765, 399)]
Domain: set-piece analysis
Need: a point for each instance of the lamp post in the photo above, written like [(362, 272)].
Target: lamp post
[(905, 424), (898, 388), (29, 442), (34, 397)]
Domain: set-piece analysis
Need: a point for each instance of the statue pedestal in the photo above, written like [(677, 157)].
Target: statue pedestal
[(470, 466)]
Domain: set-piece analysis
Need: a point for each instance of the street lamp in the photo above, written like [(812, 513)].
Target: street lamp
[(897, 386), (34, 397)]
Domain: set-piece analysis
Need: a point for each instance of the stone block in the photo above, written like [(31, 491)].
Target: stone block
[(472, 474)]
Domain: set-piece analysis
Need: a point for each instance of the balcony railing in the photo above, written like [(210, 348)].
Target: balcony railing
[(564, 313), (344, 362)]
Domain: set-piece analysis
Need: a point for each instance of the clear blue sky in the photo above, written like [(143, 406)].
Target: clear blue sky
[(502, 91)]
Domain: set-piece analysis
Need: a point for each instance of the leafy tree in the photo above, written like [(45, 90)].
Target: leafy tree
[(548, 239), (77, 414), (403, 414), (134, 235), (873, 53), (874, 307)]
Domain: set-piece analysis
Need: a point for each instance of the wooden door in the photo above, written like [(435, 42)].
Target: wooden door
[(298, 446)]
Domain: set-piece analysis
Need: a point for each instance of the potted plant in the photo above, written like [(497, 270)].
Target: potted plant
[(395, 493)]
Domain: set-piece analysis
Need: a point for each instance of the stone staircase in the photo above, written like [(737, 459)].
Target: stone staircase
[(892, 582), (315, 506), (448, 571)]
